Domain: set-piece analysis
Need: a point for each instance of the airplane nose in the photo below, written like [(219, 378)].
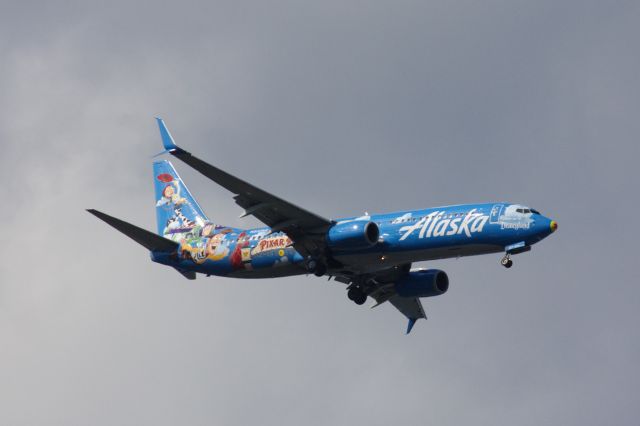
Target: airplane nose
[(554, 226)]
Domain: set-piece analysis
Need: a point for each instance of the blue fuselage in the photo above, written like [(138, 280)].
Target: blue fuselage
[(406, 236)]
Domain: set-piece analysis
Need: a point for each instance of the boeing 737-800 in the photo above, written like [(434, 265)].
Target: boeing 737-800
[(371, 254)]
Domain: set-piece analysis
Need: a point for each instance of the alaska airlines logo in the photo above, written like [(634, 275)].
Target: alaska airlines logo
[(437, 225)]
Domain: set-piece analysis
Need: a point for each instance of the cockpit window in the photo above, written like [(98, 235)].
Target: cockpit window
[(535, 211), (524, 211)]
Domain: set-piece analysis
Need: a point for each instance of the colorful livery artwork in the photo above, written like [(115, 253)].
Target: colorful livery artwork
[(371, 254)]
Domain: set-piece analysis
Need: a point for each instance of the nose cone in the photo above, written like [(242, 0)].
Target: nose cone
[(543, 227)]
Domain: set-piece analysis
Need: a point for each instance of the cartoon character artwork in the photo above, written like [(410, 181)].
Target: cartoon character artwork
[(171, 192), (218, 246), (202, 247), (515, 216), (402, 219), (208, 230), (194, 251), (179, 227), (241, 256)]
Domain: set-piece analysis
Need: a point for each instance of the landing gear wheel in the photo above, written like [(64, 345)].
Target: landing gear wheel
[(321, 269), (311, 265), (316, 267), (357, 295), (506, 261)]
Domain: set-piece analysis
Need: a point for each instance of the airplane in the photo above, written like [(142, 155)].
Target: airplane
[(371, 254)]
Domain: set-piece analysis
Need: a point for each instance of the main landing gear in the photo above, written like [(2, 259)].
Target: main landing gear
[(506, 261), (357, 295), (316, 267), (319, 268)]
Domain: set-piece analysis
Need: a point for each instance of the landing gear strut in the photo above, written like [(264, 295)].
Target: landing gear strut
[(316, 267), (357, 295), (506, 261)]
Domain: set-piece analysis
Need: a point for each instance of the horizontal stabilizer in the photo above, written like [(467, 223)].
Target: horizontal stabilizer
[(151, 241), (190, 275)]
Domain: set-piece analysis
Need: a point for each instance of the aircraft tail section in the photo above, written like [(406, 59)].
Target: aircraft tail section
[(177, 211)]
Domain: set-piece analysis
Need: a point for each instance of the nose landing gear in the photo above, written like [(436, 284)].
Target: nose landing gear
[(506, 261)]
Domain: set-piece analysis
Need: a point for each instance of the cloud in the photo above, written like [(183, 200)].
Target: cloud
[(341, 107)]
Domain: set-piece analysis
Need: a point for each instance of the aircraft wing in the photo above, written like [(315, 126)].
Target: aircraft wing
[(303, 227)]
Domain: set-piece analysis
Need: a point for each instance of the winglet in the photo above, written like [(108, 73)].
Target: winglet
[(167, 140), (412, 322)]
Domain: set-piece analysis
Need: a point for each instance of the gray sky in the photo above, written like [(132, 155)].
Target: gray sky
[(340, 107)]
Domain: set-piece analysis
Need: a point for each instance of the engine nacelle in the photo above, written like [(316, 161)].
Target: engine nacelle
[(353, 235), (423, 283)]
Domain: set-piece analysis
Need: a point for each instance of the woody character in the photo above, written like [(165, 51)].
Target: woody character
[(216, 248)]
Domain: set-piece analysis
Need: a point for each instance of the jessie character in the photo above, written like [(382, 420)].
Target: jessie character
[(171, 192)]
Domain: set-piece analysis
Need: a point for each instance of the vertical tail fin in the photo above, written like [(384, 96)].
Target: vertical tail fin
[(176, 210)]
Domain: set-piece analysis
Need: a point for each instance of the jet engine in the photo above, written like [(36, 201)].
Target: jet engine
[(423, 283), (353, 235)]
